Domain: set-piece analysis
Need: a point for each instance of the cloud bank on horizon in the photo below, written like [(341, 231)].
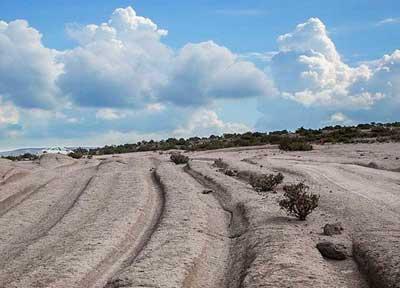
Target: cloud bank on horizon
[(121, 83)]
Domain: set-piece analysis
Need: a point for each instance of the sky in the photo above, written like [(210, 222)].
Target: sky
[(90, 73)]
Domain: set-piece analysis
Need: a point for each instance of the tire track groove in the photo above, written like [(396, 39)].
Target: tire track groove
[(19, 197), (240, 253), (132, 244)]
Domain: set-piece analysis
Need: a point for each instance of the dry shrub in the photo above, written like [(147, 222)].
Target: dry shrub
[(265, 182), (75, 155), (298, 201), (373, 165), (288, 144), (220, 163), (231, 172), (178, 158)]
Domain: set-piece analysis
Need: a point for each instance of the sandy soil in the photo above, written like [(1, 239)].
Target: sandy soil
[(138, 220)]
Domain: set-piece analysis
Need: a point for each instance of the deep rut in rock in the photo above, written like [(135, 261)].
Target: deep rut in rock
[(240, 253)]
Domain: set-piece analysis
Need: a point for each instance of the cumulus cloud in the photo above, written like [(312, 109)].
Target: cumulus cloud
[(308, 69), (205, 71), (204, 122), (124, 63), (385, 77), (314, 83), (122, 73), (28, 70), (119, 63)]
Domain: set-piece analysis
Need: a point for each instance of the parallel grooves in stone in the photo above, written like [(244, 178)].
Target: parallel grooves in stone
[(133, 244), (182, 252)]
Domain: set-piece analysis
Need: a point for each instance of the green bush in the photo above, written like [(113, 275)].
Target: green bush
[(288, 144), (298, 201), (179, 158), (265, 182)]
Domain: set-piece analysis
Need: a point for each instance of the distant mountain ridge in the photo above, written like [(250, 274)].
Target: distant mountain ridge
[(18, 152), (34, 151)]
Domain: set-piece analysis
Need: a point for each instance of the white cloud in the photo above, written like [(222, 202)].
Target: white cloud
[(123, 63), (155, 107), (123, 69), (389, 21), (339, 118), (385, 77), (206, 71), (109, 114), (308, 69), (311, 35), (118, 64), (127, 20), (205, 122), (27, 69)]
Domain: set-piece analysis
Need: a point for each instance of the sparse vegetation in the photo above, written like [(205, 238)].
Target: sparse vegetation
[(219, 163), (231, 172), (298, 201), (179, 158), (23, 157), (302, 139), (288, 144), (265, 182), (76, 155)]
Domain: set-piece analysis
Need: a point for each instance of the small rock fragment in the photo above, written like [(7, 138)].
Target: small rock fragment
[(332, 251), (333, 229), (207, 191)]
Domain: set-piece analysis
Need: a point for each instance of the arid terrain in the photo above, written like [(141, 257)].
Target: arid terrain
[(139, 220)]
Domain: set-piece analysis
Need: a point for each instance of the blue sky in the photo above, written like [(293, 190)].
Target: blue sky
[(66, 79), (242, 26)]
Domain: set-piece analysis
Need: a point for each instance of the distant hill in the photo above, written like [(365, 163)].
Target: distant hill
[(18, 152), (34, 151)]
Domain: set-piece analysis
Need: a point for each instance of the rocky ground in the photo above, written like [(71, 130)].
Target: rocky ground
[(138, 220)]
